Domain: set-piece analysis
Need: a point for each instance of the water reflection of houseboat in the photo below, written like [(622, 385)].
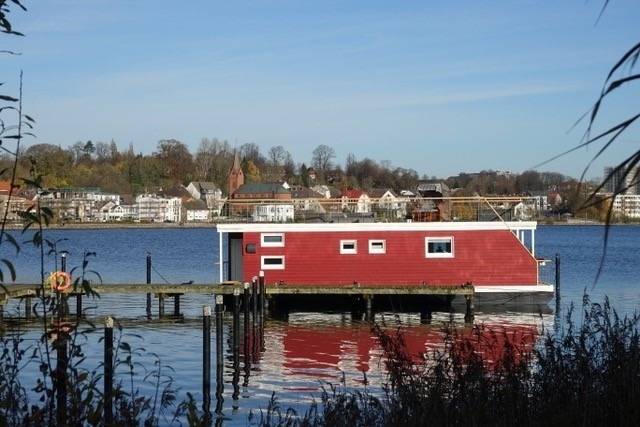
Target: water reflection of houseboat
[(324, 346), (496, 257)]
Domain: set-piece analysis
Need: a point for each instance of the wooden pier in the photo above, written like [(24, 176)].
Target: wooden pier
[(269, 293)]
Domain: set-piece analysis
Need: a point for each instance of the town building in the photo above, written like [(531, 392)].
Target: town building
[(236, 176), (355, 201), (627, 205), (273, 212), (243, 200), (77, 204), (196, 211), (152, 208), (209, 193), (387, 203), (306, 200), (620, 181), (15, 205)]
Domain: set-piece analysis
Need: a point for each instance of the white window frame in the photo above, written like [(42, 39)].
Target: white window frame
[(279, 244), (264, 266), (427, 254), (373, 250), (344, 251)]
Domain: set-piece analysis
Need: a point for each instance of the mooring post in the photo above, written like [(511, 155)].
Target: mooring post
[(108, 371), (262, 291), (246, 297), (27, 308), (148, 283), (176, 305), (79, 304), (557, 287), (206, 360), (161, 305), (61, 378), (468, 315), (219, 353), (368, 299), (245, 309), (426, 315), (236, 345), (254, 298), (62, 300)]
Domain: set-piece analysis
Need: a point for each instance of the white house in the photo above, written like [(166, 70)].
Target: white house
[(387, 201), (273, 213), (627, 205), (152, 208), (209, 193), (196, 211), (356, 201)]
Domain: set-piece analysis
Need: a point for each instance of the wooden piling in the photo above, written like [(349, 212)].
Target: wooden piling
[(426, 315), (27, 308), (254, 298), (236, 345), (368, 299), (79, 304), (108, 372), (61, 355), (246, 298), (219, 353), (160, 305), (176, 305), (246, 336), (261, 292), (148, 283), (206, 360), (468, 315), (60, 297), (557, 287)]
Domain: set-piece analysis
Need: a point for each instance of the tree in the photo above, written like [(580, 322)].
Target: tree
[(277, 156), (322, 158), (176, 160), (252, 172), (251, 151)]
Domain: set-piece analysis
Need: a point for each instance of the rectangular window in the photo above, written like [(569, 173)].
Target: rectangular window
[(348, 247), (272, 240), (438, 247), (377, 246), (272, 262)]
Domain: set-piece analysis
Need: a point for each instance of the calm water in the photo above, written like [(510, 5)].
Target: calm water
[(297, 356)]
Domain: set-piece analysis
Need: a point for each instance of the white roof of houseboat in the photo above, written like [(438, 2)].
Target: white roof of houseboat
[(376, 226)]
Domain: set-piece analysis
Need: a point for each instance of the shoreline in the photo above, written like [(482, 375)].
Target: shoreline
[(193, 225)]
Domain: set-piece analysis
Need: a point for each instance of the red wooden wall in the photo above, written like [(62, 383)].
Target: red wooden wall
[(490, 257)]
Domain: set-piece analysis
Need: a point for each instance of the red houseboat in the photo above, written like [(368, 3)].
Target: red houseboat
[(497, 258)]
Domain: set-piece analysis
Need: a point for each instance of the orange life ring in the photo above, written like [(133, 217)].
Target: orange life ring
[(60, 281)]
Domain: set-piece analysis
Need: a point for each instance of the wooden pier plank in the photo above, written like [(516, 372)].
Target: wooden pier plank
[(23, 290)]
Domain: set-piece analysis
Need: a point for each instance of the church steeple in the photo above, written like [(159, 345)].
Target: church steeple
[(236, 176)]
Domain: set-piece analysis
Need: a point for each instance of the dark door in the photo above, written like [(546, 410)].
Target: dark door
[(235, 256)]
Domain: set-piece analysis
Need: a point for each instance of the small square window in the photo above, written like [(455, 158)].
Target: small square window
[(272, 240), (348, 247), (439, 247), (272, 262), (377, 246)]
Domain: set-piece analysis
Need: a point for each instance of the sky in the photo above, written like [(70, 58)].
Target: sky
[(437, 86)]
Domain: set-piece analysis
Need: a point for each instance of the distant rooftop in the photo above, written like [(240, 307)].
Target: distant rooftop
[(262, 188)]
